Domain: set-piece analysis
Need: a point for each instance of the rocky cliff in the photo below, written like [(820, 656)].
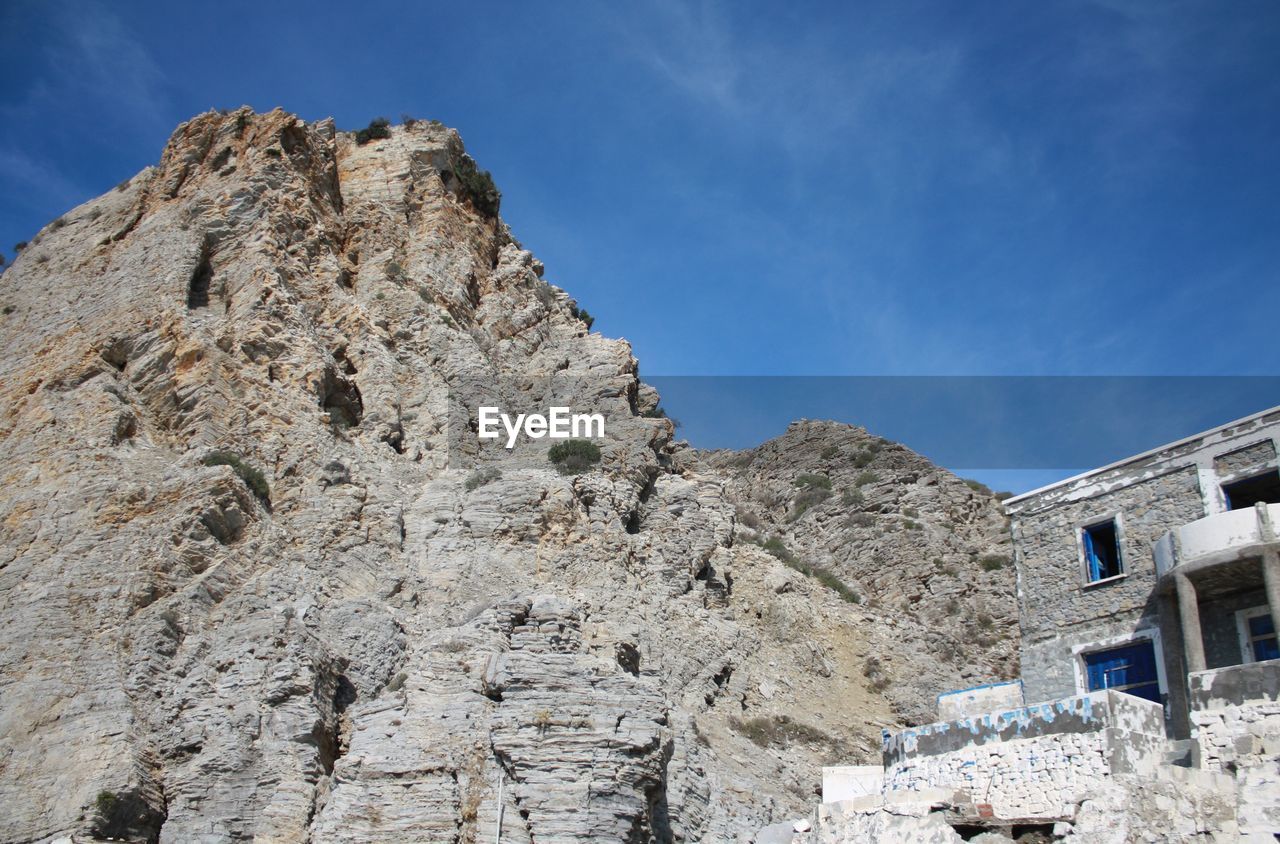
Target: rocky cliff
[(253, 585)]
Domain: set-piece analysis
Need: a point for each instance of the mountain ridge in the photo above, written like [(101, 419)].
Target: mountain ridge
[(365, 645)]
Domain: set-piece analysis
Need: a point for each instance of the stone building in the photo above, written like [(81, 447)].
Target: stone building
[(1137, 574), (1149, 703)]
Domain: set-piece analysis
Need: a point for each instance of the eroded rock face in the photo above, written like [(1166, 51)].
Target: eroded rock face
[(369, 643), (929, 554)]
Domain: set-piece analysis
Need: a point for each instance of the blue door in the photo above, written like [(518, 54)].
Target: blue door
[(1128, 668)]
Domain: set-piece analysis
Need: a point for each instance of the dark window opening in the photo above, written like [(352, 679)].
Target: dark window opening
[(1102, 551), (1250, 491), (1130, 669)]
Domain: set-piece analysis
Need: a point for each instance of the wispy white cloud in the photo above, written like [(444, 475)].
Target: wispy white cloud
[(893, 125), (100, 57), (816, 93), (36, 182), (93, 75), (692, 48)]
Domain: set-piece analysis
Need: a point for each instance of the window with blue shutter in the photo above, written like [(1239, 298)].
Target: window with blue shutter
[(1262, 638), (1102, 551), (1130, 669)]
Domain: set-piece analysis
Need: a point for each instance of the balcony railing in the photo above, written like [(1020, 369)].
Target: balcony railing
[(1222, 536)]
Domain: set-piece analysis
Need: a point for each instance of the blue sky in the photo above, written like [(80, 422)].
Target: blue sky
[(748, 188)]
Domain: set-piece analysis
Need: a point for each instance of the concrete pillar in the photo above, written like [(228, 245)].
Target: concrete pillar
[(1189, 615), (1271, 580)]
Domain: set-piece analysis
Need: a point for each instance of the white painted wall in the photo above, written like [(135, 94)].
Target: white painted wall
[(847, 782), (993, 697)]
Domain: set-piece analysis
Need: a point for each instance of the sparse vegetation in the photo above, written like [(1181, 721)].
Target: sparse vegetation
[(775, 546), (397, 682), (862, 458), (582, 314), (865, 478), (747, 518), (873, 670), (106, 802), (860, 520), (977, 486), (573, 457), (806, 498), (813, 481), (542, 719), (778, 730), (911, 524), (114, 814), (477, 186), (19, 246), (852, 497), (830, 452), (992, 562), (251, 475), (656, 412), (480, 477), (833, 582), (911, 512), (378, 129)]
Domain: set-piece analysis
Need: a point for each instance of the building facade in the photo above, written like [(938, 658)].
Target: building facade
[(1149, 703), (1135, 575)]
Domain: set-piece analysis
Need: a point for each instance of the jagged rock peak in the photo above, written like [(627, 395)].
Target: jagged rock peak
[(257, 582)]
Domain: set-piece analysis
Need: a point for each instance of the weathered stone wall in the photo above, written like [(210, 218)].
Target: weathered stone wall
[(1236, 713), (1059, 609), (1041, 777), (1034, 762), (1238, 736), (1050, 666), (1246, 459), (1218, 626), (1180, 806)]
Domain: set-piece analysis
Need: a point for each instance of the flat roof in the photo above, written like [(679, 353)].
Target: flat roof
[(1148, 453)]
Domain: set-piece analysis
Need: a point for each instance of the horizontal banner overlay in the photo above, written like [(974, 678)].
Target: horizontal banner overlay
[(971, 422)]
